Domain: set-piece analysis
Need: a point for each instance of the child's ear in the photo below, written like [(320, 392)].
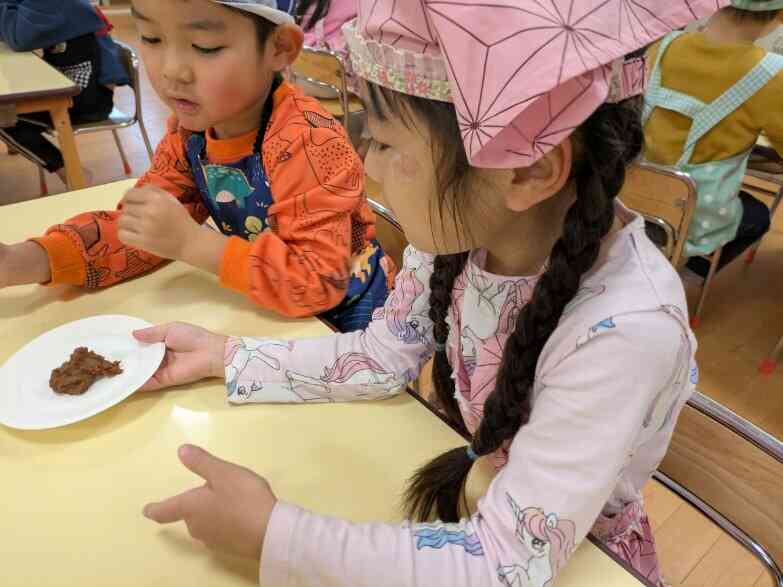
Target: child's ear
[(542, 180), (284, 45)]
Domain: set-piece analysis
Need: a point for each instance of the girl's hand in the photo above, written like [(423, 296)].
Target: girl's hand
[(5, 269), (156, 222), (192, 354), (229, 513)]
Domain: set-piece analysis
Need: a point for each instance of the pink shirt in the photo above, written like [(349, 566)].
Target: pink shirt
[(610, 384)]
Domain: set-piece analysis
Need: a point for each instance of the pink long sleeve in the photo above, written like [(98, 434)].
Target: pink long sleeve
[(372, 364), (588, 421)]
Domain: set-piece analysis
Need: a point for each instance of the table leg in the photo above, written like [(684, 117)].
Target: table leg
[(73, 166)]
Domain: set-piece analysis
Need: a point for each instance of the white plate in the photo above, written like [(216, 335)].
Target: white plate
[(28, 403)]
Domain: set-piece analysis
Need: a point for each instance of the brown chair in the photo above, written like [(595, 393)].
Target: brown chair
[(666, 198), (731, 471), (117, 119), (325, 70)]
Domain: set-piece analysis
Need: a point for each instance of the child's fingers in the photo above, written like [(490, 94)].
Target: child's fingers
[(153, 384), (137, 196), (173, 509), (205, 465), (152, 334)]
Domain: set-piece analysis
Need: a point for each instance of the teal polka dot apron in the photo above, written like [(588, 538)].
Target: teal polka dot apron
[(718, 210)]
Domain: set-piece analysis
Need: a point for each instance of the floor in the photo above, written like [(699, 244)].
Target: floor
[(693, 551), (735, 335)]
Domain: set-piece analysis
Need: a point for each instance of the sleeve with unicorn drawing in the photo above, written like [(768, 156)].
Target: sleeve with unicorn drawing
[(375, 363), (594, 405)]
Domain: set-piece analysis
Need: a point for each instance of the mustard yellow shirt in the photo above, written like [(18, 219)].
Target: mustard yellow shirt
[(704, 69)]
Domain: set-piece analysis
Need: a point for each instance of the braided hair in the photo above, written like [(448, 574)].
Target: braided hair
[(604, 146)]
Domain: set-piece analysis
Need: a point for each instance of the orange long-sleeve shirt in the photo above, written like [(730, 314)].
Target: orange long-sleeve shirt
[(319, 225)]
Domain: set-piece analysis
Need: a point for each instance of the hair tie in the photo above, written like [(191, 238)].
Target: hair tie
[(471, 453), (440, 347)]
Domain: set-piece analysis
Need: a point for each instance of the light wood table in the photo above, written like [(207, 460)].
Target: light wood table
[(72, 497), (29, 84)]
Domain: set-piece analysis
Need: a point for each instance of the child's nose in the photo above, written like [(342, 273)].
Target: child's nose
[(177, 70)]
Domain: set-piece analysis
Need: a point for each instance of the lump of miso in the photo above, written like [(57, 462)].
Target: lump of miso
[(77, 374)]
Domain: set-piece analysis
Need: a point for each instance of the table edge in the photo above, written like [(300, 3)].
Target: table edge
[(68, 92)]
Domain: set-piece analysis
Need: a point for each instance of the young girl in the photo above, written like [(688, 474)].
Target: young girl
[(273, 169), (560, 333)]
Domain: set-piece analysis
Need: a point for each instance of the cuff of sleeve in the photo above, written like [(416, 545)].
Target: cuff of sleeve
[(66, 263), (275, 556), (235, 265)]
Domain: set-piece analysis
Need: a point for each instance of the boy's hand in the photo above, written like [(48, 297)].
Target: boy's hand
[(192, 354), (229, 513), (156, 222), (23, 263)]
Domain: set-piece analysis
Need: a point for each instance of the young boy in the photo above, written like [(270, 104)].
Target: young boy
[(274, 171), (73, 36), (712, 93)]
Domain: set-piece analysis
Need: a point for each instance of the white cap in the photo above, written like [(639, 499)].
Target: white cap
[(276, 11)]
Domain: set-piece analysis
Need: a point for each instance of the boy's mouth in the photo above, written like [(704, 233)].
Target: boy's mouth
[(184, 106)]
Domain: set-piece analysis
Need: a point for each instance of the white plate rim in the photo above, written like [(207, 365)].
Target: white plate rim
[(119, 398)]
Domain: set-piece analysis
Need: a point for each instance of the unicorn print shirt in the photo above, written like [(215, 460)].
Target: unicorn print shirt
[(609, 386)]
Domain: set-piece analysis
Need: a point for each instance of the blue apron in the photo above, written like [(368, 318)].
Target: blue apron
[(238, 198)]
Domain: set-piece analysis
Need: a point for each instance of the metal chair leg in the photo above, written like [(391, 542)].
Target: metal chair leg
[(42, 182), (146, 138), (125, 165), (696, 319), (768, 365)]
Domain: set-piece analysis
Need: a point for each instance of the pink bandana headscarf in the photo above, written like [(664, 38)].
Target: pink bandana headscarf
[(522, 74)]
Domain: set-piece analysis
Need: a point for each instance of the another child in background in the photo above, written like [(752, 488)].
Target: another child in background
[(272, 168), (74, 38), (560, 332), (712, 93), (323, 20)]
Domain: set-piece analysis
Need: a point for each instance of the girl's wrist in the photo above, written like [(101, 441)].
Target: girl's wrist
[(217, 347)]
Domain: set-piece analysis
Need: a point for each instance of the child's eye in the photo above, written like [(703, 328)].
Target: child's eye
[(208, 50), (379, 146), (538, 544), (150, 40)]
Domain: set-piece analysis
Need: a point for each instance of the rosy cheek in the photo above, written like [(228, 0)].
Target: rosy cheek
[(405, 167)]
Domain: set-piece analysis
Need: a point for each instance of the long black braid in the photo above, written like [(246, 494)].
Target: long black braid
[(447, 269), (610, 139)]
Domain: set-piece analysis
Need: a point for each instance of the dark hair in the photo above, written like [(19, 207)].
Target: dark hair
[(264, 27), (756, 16), (320, 10), (604, 146)]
